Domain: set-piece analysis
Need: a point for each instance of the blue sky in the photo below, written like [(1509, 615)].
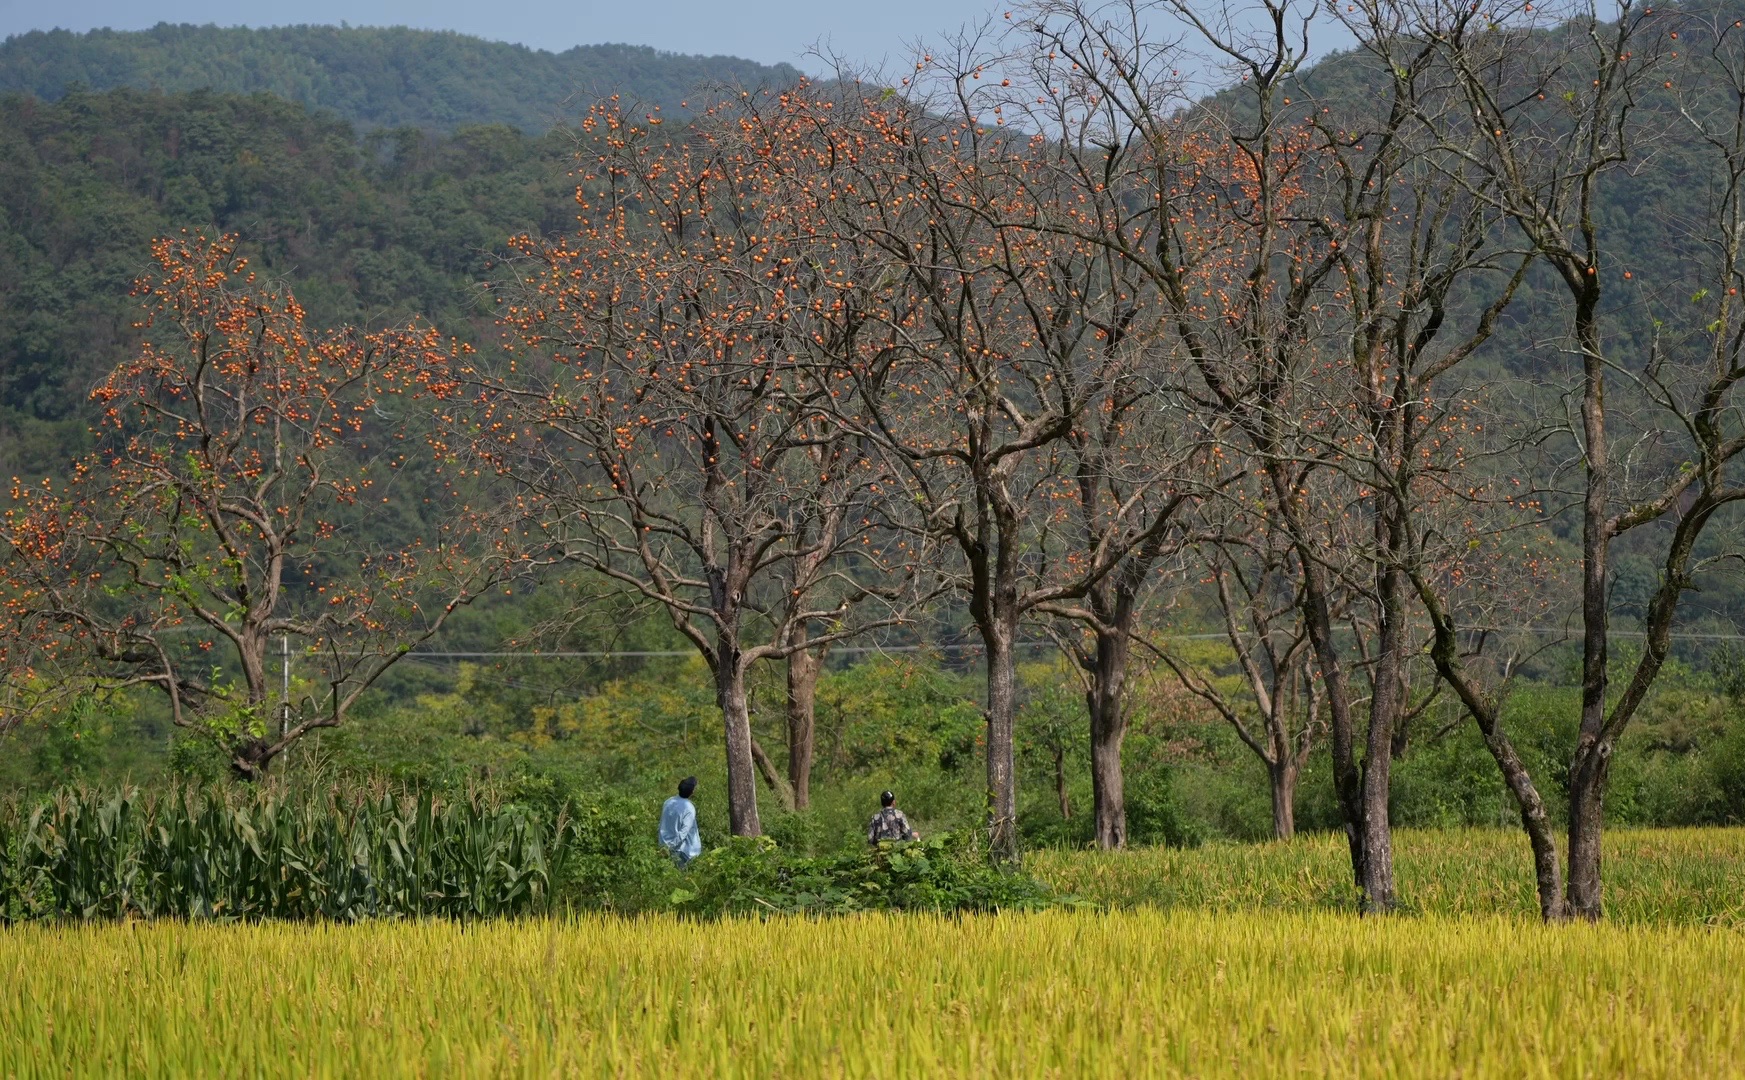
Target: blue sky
[(766, 30)]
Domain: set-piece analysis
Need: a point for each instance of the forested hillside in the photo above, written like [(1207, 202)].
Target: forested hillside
[(366, 230), (372, 76)]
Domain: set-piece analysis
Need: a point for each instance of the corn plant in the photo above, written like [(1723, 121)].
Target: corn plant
[(202, 855)]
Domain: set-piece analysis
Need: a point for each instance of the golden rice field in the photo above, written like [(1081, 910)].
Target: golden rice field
[(1067, 994), (1243, 971), (1689, 876)]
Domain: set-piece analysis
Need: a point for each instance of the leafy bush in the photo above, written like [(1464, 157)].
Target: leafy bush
[(1722, 779), (750, 876), (906, 711), (196, 762), (610, 860), (1155, 814)]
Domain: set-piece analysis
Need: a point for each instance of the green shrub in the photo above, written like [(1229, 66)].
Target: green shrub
[(195, 762), (749, 876), (1722, 773), (611, 859), (1155, 814)]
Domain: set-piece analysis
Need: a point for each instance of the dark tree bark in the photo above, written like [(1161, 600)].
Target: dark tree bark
[(1387, 703), (1282, 776), (1551, 189), (1593, 750), (999, 636), (1106, 700), (1062, 797), (1547, 869), (803, 670), (743, 818)]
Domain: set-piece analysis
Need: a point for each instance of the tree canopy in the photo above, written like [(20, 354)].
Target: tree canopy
[(371, 76)]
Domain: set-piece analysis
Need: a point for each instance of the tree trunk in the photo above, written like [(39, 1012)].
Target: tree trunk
[(249, 759), (1587, 796), (250, 755), (1591, 767), (1108, 730), (1547, 873), (1377, 836), (1347, 778), (771, 775), (1318, 620), (741, 769), (1061, 795), (1547, 870), (1386, 704), (1588, 769), (1284, 773), (1445, 651), (803, 668), (1002, 766)]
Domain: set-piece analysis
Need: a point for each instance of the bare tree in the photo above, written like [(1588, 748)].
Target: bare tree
[(1019, 383), (1569, 101), (1307, 248), (666, 414), (1258, 593)]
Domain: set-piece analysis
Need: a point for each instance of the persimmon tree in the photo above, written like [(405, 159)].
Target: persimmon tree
[(221, 514), (1308, 250), (1570, 100), (1139, 461), (1279, 714), (1228, 221), (1014, 387), (1132, 479), (663, 408)]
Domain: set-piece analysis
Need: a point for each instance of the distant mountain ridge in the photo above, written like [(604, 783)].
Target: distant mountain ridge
[(371, 76)]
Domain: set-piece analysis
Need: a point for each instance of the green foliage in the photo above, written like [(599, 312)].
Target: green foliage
[(941, 873), (196, 762), (364, 231), (611, 861), (72, 743), (1452, 782), (86, 854), (1155, 814), (374, 76), (1722, 775), (887, 710)]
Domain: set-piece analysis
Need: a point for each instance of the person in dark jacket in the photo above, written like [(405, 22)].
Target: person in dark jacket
[(889, 823)]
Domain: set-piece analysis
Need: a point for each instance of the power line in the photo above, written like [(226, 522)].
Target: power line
[(607, 654), (640, 653)]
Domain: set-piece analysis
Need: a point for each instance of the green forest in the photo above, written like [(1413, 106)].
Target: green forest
[(388, 77), (367, 230)]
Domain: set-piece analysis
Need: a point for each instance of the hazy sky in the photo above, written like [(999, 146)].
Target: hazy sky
[(766, 30)]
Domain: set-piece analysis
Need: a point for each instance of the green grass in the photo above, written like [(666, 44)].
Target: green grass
[(1667, 876)]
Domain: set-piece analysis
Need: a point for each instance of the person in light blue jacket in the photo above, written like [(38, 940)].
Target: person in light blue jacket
[(678, 824)]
